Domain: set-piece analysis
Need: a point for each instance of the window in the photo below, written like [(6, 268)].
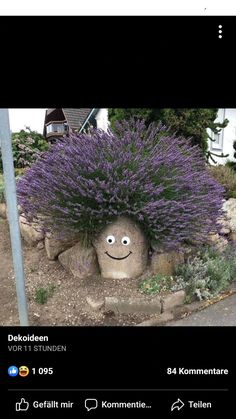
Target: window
[(55, 128), (218, 138)]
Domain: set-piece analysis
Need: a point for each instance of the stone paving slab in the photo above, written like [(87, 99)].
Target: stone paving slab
[(133, 305), (172, 300), (156, 305)]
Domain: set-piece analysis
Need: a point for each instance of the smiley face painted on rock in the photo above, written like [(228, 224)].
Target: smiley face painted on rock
[(121, 249), (125, 241)]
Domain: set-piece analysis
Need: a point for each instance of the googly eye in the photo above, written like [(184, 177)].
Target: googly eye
[(110, 239), (125, 240)]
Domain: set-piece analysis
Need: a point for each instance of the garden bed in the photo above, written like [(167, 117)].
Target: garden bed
[(56, 297), (64, 297)]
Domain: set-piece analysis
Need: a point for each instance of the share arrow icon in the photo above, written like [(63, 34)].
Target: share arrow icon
[(177, 405)]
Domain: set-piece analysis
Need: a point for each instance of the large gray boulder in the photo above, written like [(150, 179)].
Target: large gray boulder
[(80, 261), (165, 263), (56, 244), (31, 233), (229, 207), (122, 250)]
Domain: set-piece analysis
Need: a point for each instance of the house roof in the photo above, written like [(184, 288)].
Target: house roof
[(76, 117)]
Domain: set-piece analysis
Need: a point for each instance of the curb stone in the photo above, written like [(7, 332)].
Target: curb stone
[(156, 305), (133, 305), (181, 311), (172, 300)]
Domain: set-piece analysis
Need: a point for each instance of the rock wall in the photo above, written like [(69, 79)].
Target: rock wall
[(118, 239)]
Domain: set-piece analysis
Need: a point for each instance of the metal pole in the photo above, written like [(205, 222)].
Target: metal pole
[(13, 217)]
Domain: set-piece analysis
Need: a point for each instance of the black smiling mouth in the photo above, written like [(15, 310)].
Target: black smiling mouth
[(112, 257)]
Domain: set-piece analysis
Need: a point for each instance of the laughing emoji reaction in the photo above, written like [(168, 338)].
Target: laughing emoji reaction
[(23, 371)]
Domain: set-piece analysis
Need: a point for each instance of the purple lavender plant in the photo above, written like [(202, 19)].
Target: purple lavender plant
[(85, 181)]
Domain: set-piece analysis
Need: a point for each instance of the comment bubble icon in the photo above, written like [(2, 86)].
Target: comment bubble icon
[(91, 404)]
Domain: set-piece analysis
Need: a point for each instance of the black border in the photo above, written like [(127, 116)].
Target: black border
[(117, 61)]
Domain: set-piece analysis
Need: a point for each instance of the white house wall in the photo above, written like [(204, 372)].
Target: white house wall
[(102, 119), (227, 137)]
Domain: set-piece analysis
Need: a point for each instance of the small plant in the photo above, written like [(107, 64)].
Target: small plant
[(160, 283), (42, 294), (226, 176)]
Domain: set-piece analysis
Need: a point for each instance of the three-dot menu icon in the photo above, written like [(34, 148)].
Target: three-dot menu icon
[(220, 31)]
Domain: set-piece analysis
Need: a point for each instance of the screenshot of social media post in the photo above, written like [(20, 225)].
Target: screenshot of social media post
[(108, 371), (118, 243)]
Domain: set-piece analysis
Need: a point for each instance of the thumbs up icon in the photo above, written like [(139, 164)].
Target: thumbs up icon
[(13, 371), (22, 405)]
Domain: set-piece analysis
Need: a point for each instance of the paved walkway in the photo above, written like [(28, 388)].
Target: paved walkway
[(222, 313)]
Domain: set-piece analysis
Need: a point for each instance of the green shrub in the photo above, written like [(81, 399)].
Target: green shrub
[(225, 176), (27, 145), (43, 294), (231, 164), (229, 256), (208, 273), (202, 277)]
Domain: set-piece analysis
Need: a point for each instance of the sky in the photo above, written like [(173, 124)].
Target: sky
[(21, 118)]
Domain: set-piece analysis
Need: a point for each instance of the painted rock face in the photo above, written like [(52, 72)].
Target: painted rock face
[(122, 250)]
